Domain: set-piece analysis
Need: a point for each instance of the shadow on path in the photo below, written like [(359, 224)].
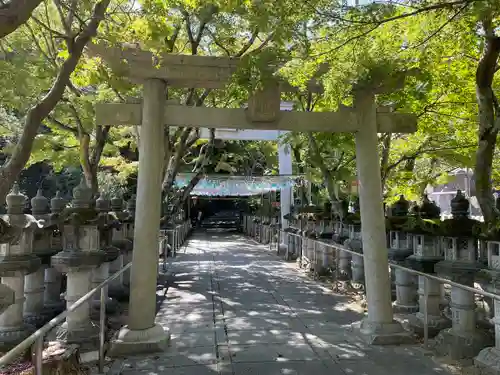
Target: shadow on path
[(233, 307)]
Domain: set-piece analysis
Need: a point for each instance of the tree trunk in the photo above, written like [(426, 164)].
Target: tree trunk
[(91, 179), (184, 195), (384, 160), (36, 114), (175, 161), (15, 13), (488, 125)]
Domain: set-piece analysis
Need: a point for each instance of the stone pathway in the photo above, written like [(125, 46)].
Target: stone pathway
[(233, 307)]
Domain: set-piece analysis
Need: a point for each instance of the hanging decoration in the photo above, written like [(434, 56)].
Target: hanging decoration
[(226, 185)]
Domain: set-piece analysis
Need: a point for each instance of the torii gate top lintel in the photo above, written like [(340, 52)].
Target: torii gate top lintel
[(263, 110)]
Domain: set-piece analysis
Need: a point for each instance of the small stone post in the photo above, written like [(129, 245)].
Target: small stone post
[(16, 261)]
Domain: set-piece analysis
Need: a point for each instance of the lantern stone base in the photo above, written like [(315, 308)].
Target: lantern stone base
[(38, 319), (10, 337), (448, 342), (435, 324), (112, 307), (384, 334), (357, 269), (119, 293), (488, 360), (82, 334), (54, 308), (151, 340), (283, 249), (399, 308)]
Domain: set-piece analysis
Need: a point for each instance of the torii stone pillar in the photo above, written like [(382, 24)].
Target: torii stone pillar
[(380, 323), (141, 334), (379, 327)]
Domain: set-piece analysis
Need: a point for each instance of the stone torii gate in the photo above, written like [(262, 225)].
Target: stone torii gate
[(155, 73)]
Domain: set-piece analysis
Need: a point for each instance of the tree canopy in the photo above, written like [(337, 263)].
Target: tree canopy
[(451, 48)]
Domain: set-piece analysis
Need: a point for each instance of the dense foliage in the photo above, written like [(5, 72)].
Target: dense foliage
[(50, 86)]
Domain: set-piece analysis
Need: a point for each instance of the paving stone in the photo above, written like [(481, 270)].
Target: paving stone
[(268, 352), (261, 337), (260, 323), (194, 339), (283, 368)]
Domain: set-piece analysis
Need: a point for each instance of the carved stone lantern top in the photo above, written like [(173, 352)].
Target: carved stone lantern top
[(102, 204), (82, 195), (39, 204), (57, 204), (131, 203), (401, 207), (15, 210), (397, 216), (16, 201), (460, 225), (116, 204), (429, 209), (460, 205), (108, 223), (17, 240), (80, 234), (43, 244)]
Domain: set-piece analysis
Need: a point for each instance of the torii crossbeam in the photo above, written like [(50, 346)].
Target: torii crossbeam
[(263, 112)]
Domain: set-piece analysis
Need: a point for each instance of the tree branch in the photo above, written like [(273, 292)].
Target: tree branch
[(62, 126), (36, 114), (14, 14)]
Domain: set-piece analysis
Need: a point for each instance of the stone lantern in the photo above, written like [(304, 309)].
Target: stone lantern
[(350, 224), (354, 242), (81, 254), (489, 358), (341, 232), (401, 247), (296, 241), (52, 297), (287, 248), (35, 312), (17, 260), (427, 251), (325, 234), (106, 226), (117, 289), (129, 223), (308, 236), (460, 241)]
